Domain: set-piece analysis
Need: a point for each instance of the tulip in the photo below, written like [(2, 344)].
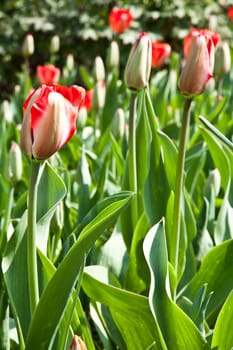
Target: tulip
[(28, 46), (48, 74), (230, 13), (99, 69), (99, 93), (113, 55), (77, 344), (196, 32), (120, 19), (87, 102), (118, 124), (160, 53), (222, 59), (138, 67), (15, 166), (199, 66), (50, 114), (55, 44)]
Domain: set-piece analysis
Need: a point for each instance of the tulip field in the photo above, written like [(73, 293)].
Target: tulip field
[(116, 186)]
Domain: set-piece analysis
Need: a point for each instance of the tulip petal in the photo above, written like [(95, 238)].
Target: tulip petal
[(55, 127)]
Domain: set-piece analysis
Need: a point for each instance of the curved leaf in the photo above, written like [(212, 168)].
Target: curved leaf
[(54, 299), (179, 332)]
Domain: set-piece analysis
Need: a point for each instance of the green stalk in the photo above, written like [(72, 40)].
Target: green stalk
[(132, 156), (3, 236), (31, 236), (85, 326), (179, 185)]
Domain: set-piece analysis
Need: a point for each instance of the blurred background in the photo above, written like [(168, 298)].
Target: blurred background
[(84, 31)]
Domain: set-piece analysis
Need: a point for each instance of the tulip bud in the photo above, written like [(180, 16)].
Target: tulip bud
[(113, 55), (214, 179), (15, 167), (138, 66), (82, 117), (222, 59), (7, 111), (28, 46), (77, 344), (49, 121), (99, 93), (55, 44), (199, 65), (70, 62), (99, 69), (118, 124)]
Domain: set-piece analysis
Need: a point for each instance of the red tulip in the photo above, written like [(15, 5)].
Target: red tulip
[(49, 122), (196, 32), (160, 53), (120, 19), (230, 13), (199, 66), (87, 102), (48, 74)]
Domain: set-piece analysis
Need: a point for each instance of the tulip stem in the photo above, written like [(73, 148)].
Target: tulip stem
[(174, 258), (132, 156), (6, 220), (31, 236)]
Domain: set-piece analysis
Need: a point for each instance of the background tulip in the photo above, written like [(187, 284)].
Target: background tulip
[(49, 122), (199, 66), (120, 19), (138, 67), (48, 74), (160, 53), (194, 32)]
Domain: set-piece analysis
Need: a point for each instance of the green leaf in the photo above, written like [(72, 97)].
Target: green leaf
[(51, 191), (222, 336), (179, 332), (54, 298), (129, 311), (216, 271)]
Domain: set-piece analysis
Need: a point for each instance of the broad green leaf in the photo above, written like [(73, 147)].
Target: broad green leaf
[(14, 268), (216, 271), (156, 190), (54, 298), (222, 336), (51, 191), (179, 332), (222, 163), (138, 274), (129, 311)]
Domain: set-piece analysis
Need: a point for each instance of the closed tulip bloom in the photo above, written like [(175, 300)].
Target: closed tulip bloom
[(99, 93), (138, 67), (194, 32), (222, 59), (15, 166), (199, 66), (99, 69), (120, 19), (55, 44), (48, 74), (114, 55), (160, 53), (28, 45), (77, 344), (49, 122)]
